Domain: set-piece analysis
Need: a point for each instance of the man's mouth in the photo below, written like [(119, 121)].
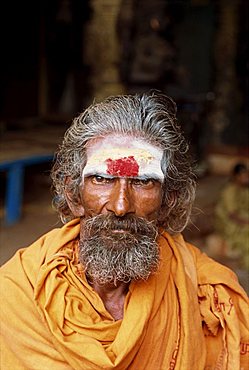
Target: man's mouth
[(115, 232), (119, 231), (109, 226)]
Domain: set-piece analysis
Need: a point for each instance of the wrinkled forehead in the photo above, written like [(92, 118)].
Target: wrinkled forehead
[(123, 156)]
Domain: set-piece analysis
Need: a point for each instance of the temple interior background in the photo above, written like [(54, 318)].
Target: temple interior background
[(58, 56)]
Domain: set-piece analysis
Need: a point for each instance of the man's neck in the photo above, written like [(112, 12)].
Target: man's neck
[(113, 297)]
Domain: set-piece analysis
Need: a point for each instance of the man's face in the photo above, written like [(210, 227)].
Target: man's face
[(122, 177), (121, 194)]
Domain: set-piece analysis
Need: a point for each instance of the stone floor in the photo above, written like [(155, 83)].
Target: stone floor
[(39, 217)]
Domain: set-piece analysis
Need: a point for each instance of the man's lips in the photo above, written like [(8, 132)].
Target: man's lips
[(119, 231)]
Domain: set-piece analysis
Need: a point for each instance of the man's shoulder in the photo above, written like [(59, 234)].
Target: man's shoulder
[(37, 245), (208, 270), (26, 261), (31, 258)]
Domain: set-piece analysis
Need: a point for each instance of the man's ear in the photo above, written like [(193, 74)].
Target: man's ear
[(73, 202)]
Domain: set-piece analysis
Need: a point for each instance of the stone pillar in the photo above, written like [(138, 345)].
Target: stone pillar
[(102, 50), (226, 91)]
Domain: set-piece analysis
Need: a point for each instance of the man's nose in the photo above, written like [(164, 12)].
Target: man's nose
[(120, 202)]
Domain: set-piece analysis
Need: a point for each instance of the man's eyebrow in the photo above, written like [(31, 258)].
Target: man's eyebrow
[(98, 173), (149, 176)]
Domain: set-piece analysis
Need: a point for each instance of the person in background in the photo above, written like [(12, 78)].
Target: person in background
[(232, 215), (118, 287)]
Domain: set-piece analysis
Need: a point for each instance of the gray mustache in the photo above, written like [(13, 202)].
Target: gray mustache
[(133, 224)]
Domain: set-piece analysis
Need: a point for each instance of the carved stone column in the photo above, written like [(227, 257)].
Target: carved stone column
[(102, 51)]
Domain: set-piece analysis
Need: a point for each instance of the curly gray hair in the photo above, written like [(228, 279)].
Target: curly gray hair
[(151, 116)]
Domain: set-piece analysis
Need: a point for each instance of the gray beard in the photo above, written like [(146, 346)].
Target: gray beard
[(109, 258)]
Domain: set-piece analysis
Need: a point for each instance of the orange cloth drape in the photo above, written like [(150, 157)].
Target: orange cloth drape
[(192, 314)]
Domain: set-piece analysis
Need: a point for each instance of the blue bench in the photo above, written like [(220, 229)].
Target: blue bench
[(14, 186)]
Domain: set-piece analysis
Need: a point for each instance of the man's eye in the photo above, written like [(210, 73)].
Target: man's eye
[(143, 182), (100, 180)]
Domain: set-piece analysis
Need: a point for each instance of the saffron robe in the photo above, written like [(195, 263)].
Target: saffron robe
[(191, 314)]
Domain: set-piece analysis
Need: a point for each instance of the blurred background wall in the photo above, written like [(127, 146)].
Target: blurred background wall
[(59, 55)]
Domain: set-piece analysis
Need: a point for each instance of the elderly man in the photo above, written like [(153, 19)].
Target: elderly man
[(117, 287)]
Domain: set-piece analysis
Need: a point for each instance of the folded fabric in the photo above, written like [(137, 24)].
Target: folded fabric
[(191, 314)]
